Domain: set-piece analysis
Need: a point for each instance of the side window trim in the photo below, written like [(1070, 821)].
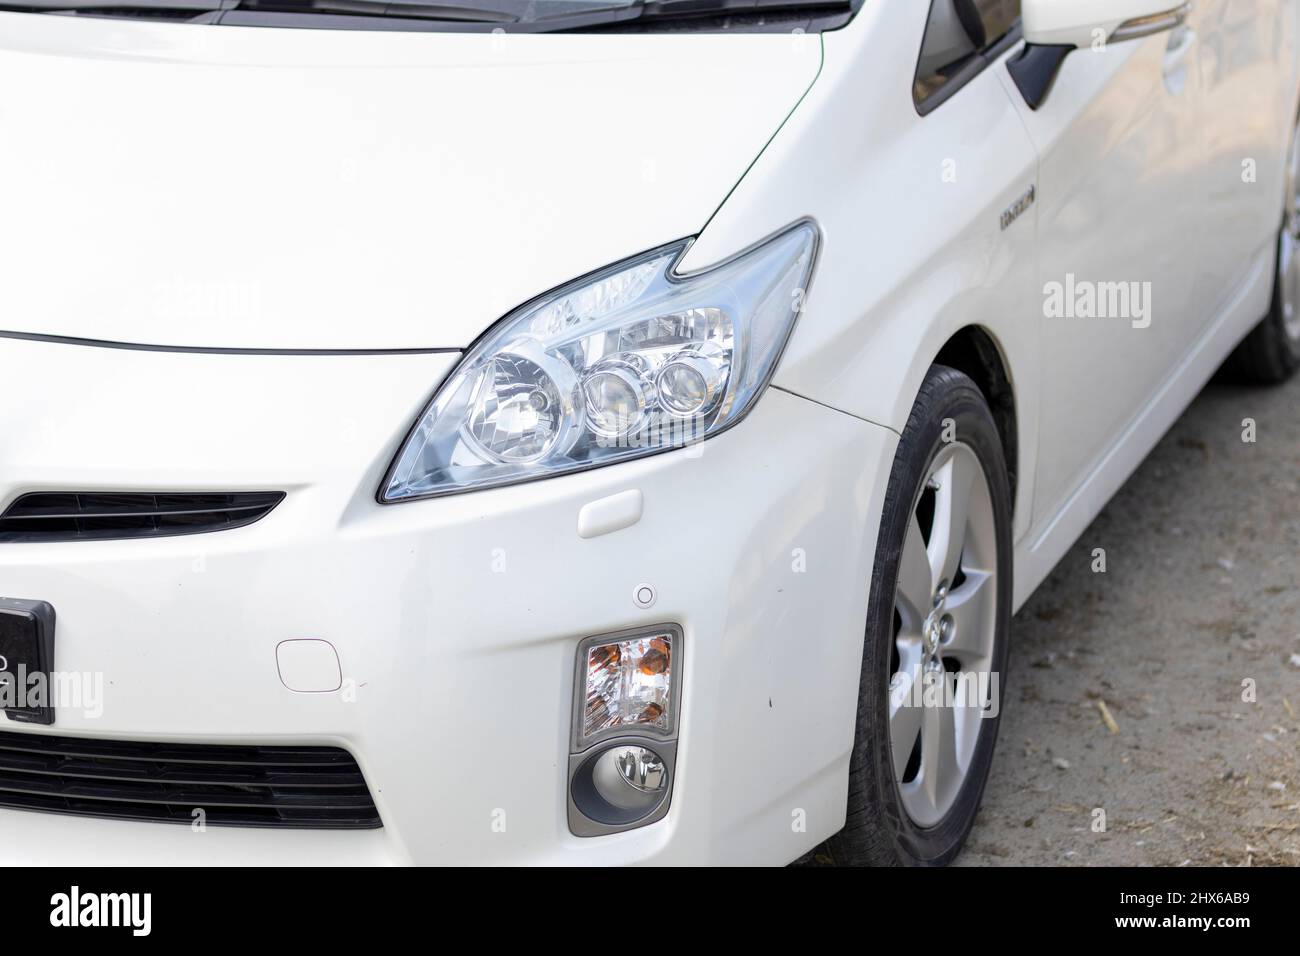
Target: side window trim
[(978, 64)]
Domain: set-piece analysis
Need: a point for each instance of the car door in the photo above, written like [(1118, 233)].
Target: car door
[(1120, 212), (1242, 52)]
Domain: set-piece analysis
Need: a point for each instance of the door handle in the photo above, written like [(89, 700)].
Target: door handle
[(1155, 23)]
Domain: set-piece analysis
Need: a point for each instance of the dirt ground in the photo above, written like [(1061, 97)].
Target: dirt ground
[(1201, 593)]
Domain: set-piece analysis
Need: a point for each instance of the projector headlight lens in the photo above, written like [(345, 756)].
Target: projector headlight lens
[(616, 399), (691, 382), (634, 360)]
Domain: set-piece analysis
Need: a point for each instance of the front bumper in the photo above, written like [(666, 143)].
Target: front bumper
[(455, 619)]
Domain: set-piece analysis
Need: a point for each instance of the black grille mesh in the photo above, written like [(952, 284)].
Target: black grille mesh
[(299, 787), (83, 516)]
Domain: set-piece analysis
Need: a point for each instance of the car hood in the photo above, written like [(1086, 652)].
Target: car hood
[(231, 187)]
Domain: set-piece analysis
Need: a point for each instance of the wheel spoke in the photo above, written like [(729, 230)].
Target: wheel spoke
[(915, 586), (938, 758), (955, 478), (971, 607), (967, 723), (904, 717)]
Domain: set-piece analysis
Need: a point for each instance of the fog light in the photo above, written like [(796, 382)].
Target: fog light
[(619, 786), (630, 777)]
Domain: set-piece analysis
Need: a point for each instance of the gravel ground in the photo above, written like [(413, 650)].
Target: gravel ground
[(1201, 593)]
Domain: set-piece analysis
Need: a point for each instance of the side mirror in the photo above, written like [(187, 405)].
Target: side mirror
[(1055, 28)]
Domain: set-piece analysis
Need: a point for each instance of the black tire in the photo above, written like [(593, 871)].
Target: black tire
[(1267, 355), (1270, 354), (877, 831)]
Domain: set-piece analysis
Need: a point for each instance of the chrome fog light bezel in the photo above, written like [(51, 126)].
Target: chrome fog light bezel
[(587, 817)]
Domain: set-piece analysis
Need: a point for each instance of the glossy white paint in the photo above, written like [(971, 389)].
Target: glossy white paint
[(353, 190), (321, 170), (610, 514), (1112, 122), (455, 620), (309, 666), (882, 187)]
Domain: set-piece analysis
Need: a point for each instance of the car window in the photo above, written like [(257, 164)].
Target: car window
[(999, 18), (957, 34)]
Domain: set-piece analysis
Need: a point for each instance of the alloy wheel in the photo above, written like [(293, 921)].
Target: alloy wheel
[(1288, 263), (945, 615)]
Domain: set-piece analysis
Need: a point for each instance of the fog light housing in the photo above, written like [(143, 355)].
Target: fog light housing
[(621, 762)]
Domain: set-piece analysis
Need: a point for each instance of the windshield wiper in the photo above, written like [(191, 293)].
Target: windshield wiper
[(80, 6), (381, 8), (667, 11), (531, 17), (724, 8), (198, 8)]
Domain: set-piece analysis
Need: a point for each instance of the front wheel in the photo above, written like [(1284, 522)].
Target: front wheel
[(936, 643)]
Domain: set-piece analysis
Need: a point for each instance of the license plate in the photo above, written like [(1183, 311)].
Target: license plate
[(26, 659)]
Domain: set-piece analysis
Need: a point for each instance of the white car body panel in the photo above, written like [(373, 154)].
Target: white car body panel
[(289, 191), (260, 199), (425, 619), (925, 178), (895, 285), (1119, 156), (1114, 389), (1244, 47)]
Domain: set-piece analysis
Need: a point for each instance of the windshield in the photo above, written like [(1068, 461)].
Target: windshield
[(525, 16)]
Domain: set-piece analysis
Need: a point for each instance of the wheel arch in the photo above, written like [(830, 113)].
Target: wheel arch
[(974, 351)]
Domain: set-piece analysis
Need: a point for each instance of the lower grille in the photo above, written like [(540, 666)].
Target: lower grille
[(88, 516), (295, 787)]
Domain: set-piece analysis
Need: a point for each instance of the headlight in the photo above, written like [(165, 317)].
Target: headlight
[(627, 362)]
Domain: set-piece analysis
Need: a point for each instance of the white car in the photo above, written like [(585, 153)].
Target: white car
[(575, 431)]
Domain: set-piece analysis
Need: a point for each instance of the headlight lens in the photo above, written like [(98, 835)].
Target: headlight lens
[(628, 362)]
